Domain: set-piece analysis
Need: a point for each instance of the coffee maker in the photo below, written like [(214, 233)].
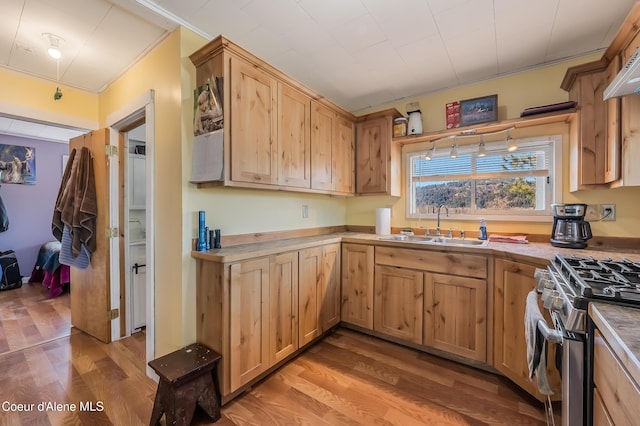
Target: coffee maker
[(570, 230)]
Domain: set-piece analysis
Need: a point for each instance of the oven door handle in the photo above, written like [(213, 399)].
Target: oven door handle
[(549, 334)]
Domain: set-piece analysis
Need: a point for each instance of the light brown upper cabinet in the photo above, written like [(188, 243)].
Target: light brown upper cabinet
[(377, 156), (278, 134), (332, 150), (594, 133)]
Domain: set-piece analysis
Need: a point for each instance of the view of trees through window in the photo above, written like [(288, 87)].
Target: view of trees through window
[(490, 194), (469, 184)]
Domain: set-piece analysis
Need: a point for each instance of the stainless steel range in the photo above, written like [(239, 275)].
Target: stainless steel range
[(567, 286)]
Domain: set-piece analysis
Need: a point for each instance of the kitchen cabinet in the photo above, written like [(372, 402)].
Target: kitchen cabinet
[(332, 150), (630, 124), (278, 134), (455, 315), (253, 124), (398, 303), (283, 306), (594, 132), (513, 281), (357, 285), (378, 158), (294, 137), (260, 311), (318, 291), (435, 299), (137, 182), (615, 384), (249, 322)]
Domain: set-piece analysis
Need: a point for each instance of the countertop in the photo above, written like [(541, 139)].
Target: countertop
[(532, 252), (619, 325)]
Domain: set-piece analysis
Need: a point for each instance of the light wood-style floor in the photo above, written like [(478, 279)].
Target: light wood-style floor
[(345, 379), (28, 316)]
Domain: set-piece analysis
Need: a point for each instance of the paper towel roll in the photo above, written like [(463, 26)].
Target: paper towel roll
[(383, 221)]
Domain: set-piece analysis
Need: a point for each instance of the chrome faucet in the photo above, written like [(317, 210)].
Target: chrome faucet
[(447, 213)]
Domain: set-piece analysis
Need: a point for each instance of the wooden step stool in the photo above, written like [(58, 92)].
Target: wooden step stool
[(188, 377)]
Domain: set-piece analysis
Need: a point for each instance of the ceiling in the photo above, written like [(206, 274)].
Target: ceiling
[(358, 53)]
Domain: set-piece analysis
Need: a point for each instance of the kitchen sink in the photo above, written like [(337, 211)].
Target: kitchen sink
[(452, 241), (437, 240), (408, 238)]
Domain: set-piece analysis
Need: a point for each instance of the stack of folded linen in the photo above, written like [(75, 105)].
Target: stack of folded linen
[(518, 239)]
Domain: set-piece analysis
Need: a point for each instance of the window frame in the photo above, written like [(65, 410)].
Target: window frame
[(555, 176)]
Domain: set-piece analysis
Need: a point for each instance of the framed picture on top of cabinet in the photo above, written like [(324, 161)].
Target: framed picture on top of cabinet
[(479, 110), (207, 108)]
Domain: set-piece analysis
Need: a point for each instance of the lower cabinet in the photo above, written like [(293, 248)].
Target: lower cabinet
[(357, 285), (434, 299), (319, 291), (283, 306), (455, 315), (249, 325), (616, 399), (259, 311), (513, 281), (398, 303)]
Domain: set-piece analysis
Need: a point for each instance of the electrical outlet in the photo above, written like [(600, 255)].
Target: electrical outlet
[(305, 211), (608, 212)]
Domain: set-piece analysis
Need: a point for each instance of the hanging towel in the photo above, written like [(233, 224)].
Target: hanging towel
[(56, 221), (66, 257), (536, 344), (76, 207)]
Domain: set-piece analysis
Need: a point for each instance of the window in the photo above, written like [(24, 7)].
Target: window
[(519, 185)]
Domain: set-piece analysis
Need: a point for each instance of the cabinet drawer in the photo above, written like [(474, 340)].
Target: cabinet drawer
[(468, 265), (619, 393)]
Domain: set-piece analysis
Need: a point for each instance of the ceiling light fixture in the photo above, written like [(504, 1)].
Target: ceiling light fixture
[(482, 151), (54, 45), (511, 143), (429, 155), (454, 151)]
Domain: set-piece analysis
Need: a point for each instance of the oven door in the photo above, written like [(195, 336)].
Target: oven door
[(571, 367)]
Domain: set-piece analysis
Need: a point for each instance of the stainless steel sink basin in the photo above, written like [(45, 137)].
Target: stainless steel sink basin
[(408, 238), (451, 241), (441, 240)]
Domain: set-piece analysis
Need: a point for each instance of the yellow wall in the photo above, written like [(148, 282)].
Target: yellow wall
[(160, 70), (515, 93), (31, 97)]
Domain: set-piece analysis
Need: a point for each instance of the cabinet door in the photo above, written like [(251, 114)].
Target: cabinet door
[(323, 122), (612, 163), (372, 148), (309, 296), (398, 303), (513, 281), (249, 325), (283, 306), (137, 181), (357, 285), (253, 124), (343, 160), (332, 151), (455, 310), (630, 124), (294, 156), (318, 291), (330, 287)]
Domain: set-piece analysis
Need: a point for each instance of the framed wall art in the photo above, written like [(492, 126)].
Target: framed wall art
[(479, 110), (17, 164)]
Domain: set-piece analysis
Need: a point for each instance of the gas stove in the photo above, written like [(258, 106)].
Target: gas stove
[(570, 282), (603, 279)]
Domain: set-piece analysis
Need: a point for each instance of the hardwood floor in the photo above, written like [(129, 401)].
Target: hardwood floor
[(28, 316), (345, 379)]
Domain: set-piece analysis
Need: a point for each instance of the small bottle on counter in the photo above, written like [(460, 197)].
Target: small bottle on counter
[(483, 230)]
